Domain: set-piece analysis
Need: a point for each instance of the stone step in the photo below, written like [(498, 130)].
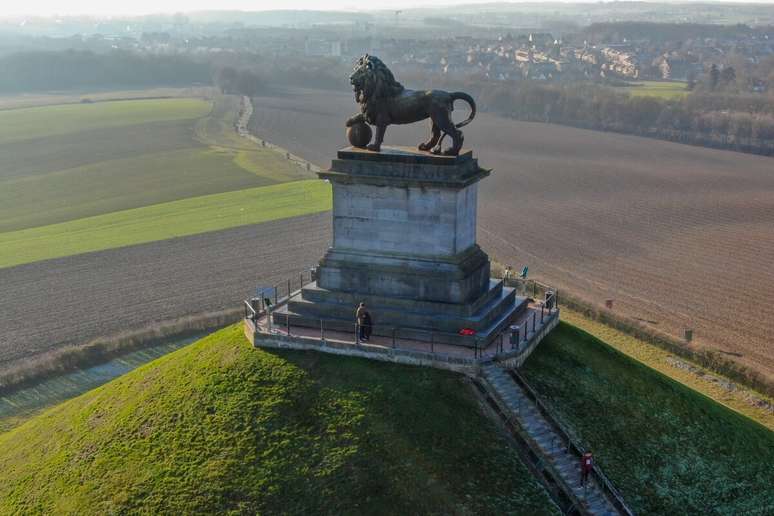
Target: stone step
[(549, 445), (306, 314), (445, 317), (316, 294)]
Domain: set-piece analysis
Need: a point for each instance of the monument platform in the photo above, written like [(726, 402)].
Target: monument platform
[(404, 243)]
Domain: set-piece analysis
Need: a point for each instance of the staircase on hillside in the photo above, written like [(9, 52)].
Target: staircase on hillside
[(546, 441)]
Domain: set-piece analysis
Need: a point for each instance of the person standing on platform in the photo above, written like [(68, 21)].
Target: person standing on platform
[(360, 320), (368, 324)]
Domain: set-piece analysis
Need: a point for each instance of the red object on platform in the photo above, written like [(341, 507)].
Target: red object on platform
[(467, 331)]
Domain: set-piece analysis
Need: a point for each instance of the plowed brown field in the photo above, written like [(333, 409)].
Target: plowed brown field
[(75, 299), (677, 235)]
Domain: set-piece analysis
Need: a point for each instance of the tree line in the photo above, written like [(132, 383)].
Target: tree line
[(254, 76), (46, 71), (740, 122)]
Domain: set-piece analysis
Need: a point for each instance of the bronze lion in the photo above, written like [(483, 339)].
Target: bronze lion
[(384, 101)]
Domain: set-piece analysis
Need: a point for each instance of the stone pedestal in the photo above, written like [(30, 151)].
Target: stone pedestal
[(404, 242)]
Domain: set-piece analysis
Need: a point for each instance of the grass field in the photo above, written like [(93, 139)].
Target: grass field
[(669, 449), (76, 97), (221, 427), (74, 163), (38, 122), (162, 221), (83, 177), (660, 89), (677, 235)]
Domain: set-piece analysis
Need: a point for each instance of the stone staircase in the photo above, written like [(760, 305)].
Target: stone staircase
[(489, 315), (547, 442)]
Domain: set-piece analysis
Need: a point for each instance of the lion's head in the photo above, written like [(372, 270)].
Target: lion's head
[(371, 80)]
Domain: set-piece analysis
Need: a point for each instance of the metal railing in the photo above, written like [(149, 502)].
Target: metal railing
[(435, 342), (530, 287), (571, 443), (279, 293)]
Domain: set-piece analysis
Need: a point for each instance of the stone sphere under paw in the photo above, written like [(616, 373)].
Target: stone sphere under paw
[(359, 134)]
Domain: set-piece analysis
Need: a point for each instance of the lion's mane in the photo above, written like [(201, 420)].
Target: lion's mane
[(376, 83)]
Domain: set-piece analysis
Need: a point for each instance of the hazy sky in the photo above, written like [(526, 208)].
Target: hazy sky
[(104, 7), (50, 7)]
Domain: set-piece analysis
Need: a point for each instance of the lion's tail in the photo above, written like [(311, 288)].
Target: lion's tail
[(460, 95)]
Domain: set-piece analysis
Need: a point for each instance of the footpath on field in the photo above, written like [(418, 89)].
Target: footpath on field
[(246, 112)]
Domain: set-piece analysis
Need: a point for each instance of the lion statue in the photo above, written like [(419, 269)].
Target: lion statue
[(384, 101)]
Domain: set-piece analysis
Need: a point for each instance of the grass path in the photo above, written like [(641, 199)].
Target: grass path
[(167, 220), (737, 398)]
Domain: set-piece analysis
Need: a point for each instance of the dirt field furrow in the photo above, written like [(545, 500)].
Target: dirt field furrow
[(75, 299)]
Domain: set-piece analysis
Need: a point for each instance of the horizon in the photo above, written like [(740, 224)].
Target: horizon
[(88, 8)]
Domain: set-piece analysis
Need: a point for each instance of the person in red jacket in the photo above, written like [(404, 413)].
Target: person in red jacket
[(587, 464)]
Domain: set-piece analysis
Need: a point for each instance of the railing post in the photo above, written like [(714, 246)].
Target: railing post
[(301, 277), (534, 316), (357, 334), (394, 330), (322, 329), (432, 342), (287, 319), (288, 289)]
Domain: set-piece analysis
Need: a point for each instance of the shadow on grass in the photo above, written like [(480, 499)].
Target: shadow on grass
[(669, 449)]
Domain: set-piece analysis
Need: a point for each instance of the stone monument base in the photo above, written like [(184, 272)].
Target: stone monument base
[(488, 315), (404, 242)]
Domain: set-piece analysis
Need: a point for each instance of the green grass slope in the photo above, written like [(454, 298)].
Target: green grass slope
[(669, 449), (219, 426)]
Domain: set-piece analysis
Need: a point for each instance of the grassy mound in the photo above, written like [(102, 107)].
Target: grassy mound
[(669, 449), (218, 426)]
